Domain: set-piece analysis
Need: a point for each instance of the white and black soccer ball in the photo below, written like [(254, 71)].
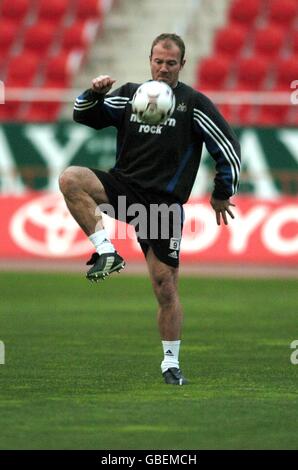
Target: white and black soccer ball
[(153, 102)]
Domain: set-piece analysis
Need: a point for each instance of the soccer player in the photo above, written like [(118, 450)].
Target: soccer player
[(154, 165)]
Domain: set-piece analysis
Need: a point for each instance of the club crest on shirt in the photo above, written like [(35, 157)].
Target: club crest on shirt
[(182, 107)]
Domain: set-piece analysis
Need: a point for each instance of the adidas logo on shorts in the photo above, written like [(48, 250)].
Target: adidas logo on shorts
[(174, 254)]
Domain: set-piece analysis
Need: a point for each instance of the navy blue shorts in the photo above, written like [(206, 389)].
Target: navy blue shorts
[(159, 227)]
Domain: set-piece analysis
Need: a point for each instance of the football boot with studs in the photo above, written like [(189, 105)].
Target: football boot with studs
[(104, 265)]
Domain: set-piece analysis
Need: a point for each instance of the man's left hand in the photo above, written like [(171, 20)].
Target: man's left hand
[(222, 207)]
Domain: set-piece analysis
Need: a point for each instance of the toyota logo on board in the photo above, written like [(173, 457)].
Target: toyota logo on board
[(45, 227)]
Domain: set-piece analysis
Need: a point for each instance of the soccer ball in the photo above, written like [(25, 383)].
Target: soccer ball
[(153, 102)]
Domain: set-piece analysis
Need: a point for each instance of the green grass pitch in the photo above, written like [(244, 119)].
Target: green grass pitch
[(82, 365)]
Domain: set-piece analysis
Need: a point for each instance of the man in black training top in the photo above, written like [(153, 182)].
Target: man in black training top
[(154, 165)]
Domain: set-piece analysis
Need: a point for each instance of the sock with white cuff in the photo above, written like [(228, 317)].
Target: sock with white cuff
[(101, 242), (171, 355)]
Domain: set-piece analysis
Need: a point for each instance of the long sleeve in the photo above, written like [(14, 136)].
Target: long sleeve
[(222, 145), (99, 111)]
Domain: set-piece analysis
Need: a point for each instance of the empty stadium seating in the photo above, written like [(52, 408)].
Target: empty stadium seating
[(20, 73), (42, 43), (256, 51), (57, 75)]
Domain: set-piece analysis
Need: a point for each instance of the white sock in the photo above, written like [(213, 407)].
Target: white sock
[(171, 354), (101, 242)]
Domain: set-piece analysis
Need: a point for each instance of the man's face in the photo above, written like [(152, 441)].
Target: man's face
[(166, 63)]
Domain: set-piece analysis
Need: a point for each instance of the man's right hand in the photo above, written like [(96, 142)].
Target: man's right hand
[(102, 84)]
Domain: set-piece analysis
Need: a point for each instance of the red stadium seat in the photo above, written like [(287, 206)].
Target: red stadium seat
[(268, 66), (229, 40), (58, 74), (15, 10), (21, 70), (286, 73), (273, 115), (39, 37), (283, 12), (89, 9), (269, 41), (212, 73), (8, 33), (59, 70), (245, 12), (78, 36), (251, 73), (53, 10), (42, 112)]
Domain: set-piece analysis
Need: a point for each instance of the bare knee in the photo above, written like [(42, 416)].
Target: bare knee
[(69, 180), (165, 289), (75, 179)]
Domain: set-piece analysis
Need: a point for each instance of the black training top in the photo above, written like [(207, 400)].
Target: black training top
[(165, 158)]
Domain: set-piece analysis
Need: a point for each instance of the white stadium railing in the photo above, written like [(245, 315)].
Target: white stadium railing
[(219, 97)]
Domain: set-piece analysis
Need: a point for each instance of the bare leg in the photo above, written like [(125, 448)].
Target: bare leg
[(164, 280), (82, 192)]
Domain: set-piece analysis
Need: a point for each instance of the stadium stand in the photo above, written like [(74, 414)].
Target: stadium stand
[(254, 51), (42, 45), (58, 74), (285, 71), (258, 46)]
